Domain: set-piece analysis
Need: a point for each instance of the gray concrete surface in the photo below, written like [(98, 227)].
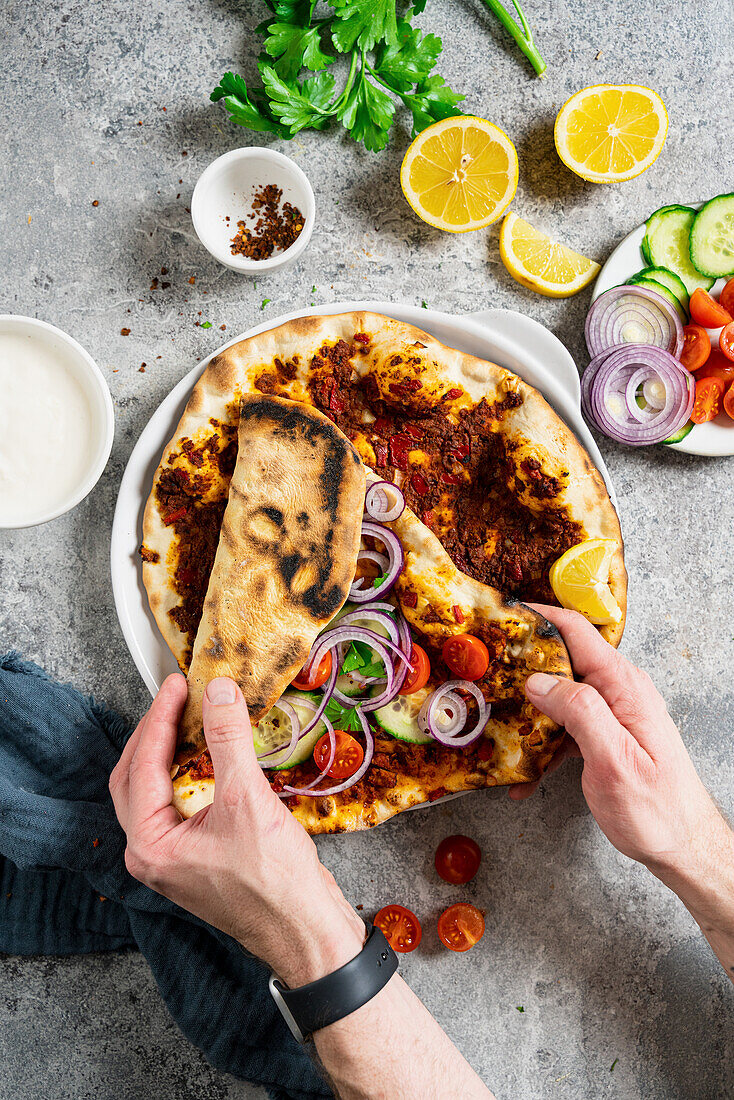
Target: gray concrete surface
[(108, 102)]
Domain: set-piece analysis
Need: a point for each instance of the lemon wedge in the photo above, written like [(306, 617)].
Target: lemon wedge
[(460, 173), (540, 264), (580, 580), (611, 132)]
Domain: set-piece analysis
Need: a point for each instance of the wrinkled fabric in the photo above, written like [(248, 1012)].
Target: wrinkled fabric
[(64, 888)]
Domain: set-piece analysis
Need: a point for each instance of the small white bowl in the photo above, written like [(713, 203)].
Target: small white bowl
[(91, 380), (226, 188)]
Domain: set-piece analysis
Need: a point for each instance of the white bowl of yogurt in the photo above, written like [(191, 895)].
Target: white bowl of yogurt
[(56, 422)]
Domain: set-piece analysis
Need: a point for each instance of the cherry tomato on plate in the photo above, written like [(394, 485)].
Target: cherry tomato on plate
[(466, 656), (696, 347), (460, 926), (347, 759), (707, 311), (401, 928), (418, 677), (457, 859), (726, 298), (316, 678), (729, 401), (717, 366), (726, 340), (709, 392)]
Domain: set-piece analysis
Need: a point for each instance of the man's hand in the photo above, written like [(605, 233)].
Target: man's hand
[(638, 779), (243, 864)]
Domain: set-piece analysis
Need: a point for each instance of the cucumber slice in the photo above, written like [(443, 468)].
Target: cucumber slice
[(667, 278), (652, 284), (712, 237), (400, 718), (644, 249), (667, 243), (346, 683), (274, 728), (680, 434)]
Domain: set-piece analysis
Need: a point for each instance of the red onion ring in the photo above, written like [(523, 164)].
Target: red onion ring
[(630, 315), (431, 704), (369, 750), (393, 546), (609, 394), (301, 733), (377, 502)]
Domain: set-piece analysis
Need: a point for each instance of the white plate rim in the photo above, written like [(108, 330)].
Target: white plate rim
[(520, 339), (713, 440)]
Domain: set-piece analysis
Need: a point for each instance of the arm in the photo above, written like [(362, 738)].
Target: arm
[(638, 779), (245, 865)]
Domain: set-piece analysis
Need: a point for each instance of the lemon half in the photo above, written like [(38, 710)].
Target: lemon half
[(460, 173), (580, 580), (611, 132)]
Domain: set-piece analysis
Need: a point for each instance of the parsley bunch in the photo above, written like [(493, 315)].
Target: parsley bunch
[(389, 60)]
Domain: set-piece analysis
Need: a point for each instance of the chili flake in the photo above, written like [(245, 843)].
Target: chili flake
[(277, 227)]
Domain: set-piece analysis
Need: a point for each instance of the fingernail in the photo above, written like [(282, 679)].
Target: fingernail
[(540, 683), (221, 691)]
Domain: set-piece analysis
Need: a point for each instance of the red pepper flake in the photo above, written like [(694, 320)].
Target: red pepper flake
[(336, 402), (451, 395), (400, 445), (451, 479), (439, 792), (164, 270), (409, 599), (361, 338), (382, 425), (419, 483), (179, 513), (95, 202), (415, 430), (381, 453), (485, 751), (124, 332), (404, 389), (458, 613), (223, 327), (514, 570), (359, 907), (276, 227), (95, 842), (427, 518), (141, 368), (102, 897)]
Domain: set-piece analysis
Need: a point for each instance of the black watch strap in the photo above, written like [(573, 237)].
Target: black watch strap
[(331, 998)]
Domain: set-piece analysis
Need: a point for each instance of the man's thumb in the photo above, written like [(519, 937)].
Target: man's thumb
[(227, 730), (583, 712)]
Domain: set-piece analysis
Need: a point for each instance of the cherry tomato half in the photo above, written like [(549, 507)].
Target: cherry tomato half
[(726, 298), (726, 340), (418, 678), (316, 678), (717, 366), (707, 311), (466, 656), (696, 347), (709, 392), (347, 759), (401, 928), (457, 859), (461, 926), (729, 401)]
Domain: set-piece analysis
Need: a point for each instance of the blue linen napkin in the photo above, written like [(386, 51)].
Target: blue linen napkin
[(64, 888)]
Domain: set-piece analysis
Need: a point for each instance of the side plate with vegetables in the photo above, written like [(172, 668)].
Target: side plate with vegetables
[(655, 257)]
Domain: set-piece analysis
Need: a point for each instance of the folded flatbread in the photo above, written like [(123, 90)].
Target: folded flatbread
[(285, 560)]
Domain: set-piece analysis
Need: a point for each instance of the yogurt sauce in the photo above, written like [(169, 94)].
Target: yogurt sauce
[(46, 428)]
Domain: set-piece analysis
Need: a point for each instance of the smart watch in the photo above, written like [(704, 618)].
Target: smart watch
[(318, 1004)]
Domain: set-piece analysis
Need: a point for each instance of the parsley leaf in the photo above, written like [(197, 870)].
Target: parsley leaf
[(431, 101), (243, 106), (410, 59), (368, 114), (362, 23), (295, 48), (519, 1008), (343, 718), (205, 324), (265, 302), (352, 661), (290, 102)]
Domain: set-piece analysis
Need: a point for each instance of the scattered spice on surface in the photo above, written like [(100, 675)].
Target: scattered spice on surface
[(277, 227), (164, 271), (95, 202), (223, 327), (142, 367), (154, 284), (124, 332), (192, 279), (95, 842)]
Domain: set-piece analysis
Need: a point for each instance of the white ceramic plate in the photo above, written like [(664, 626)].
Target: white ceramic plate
[(501, 335), (715, 439)]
